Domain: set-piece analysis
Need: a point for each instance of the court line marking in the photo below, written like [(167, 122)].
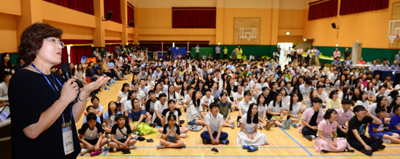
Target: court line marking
[(296, 141), (105, 153), (248, 155)]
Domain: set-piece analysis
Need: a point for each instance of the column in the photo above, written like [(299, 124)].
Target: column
[(124, 18), (99, 30)]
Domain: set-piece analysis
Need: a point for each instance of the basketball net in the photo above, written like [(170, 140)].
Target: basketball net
[(248, 37), (392, 37)]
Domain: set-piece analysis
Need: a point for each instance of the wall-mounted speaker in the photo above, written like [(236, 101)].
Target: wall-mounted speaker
[(108, 16), (131, 23), (334, 26)]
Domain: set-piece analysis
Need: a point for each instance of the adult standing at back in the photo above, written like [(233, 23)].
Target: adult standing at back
[(217, 52), (397, 57), (225, 52), (347, 53), (300, 55), (42, 110), (197, 48), (336, 53), (234, 55)]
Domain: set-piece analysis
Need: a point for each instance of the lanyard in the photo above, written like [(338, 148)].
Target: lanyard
[(52, 87)]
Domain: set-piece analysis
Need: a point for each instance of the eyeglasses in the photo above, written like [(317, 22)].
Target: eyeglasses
[(55, 41)]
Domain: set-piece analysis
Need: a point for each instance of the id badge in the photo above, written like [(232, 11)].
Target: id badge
[(68, 143)]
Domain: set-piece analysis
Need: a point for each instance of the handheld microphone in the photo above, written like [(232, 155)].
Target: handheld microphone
[(66, 71)]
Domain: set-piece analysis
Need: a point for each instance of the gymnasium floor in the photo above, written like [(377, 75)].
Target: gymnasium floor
[(283, 143)]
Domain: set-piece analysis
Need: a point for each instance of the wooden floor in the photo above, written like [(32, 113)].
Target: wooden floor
[(283, 143)]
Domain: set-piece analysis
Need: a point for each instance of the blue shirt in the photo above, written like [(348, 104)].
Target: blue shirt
[(96, 68), (372, 125), (395, 120), (217, 50), (317, 53), (136, 115)]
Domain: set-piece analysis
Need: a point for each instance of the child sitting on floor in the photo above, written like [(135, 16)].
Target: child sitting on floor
[(214, 121), (109, 117), (91, 135), (121, 135), (177, 112), (310, 119), (171, 135), (248, 134), (356, 134), (91, 109), (378, 130), (326, 140), (395, 121)]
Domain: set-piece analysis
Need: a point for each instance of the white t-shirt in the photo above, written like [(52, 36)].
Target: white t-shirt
[(171, 96), (187, 98), (238, 96), (249, 128), (259, 86), (192, 112), (323, 96), (296, 109), (140, 95), (158, 106), (122, 94), (145, 90), (365, 103), (214, 122), (205, 100), (275, 109), (244, 107)]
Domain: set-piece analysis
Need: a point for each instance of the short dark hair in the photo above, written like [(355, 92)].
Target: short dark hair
[(118, 116), (91, 116), (87, 108), (6, 73), (171, 101), (316, 100), (380, 109), (212, 105), (152, 91), (347, 101), (162, 95), (329, 113), (32, 40), (358, 108), (94, 97)]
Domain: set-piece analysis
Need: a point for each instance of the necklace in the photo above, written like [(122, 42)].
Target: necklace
[(53, 81)]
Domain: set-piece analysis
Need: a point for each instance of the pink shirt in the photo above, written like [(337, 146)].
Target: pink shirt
[(327, 128), (336, 54), (307, 115), (343, 117)]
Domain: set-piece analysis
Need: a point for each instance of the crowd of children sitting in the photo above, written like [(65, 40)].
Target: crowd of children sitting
[(333, 107)]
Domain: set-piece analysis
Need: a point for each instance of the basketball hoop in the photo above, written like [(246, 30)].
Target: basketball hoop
[(248, 37), (392, 37)]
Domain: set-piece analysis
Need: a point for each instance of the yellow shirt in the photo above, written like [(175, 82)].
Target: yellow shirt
[(331, 104)]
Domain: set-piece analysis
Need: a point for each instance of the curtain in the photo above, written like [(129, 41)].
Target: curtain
[(85, 6), (357, 6), (64, 55), (322, 9), (189, 17), (115, 7), (130, 14), (77, 52), (156, 45)]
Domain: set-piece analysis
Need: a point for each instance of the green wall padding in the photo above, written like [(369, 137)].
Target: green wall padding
[(247, 49), (13, 57), (368, 54)]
